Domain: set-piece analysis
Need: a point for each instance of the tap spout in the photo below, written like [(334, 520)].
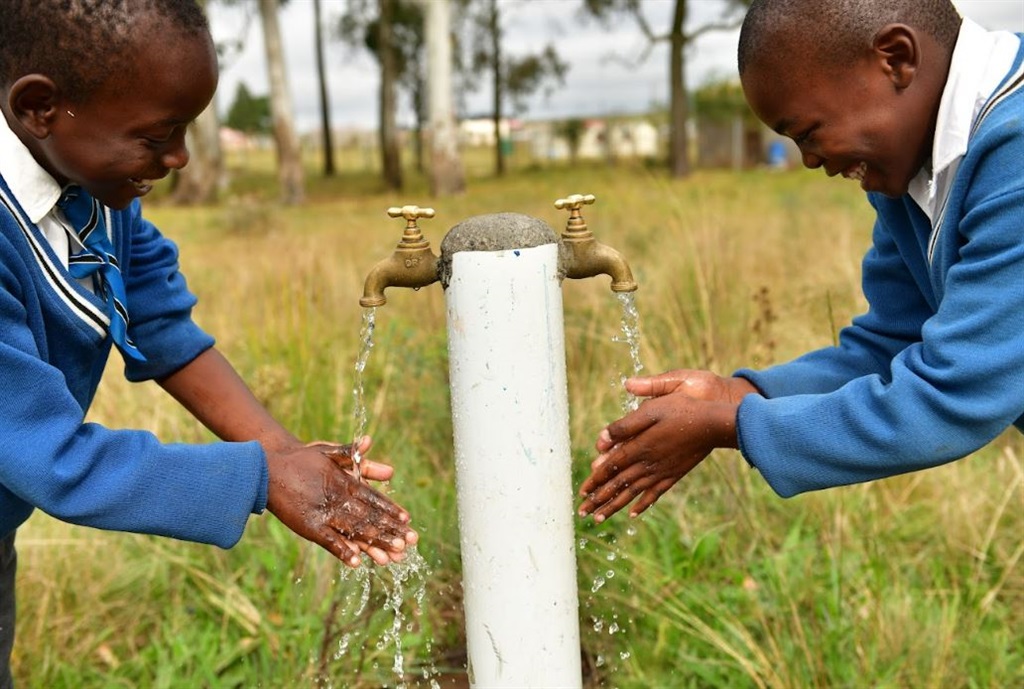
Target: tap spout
[(582, 256), (412, 264), (589, 258)]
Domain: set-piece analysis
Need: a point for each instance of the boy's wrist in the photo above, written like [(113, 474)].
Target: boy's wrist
[(723, 424), (740, 387)]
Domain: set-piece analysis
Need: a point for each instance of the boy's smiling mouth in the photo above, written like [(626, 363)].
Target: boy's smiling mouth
[(856, 172), (143, 186)]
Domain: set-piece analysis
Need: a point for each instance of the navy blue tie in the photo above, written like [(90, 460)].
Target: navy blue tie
[(98, 259)]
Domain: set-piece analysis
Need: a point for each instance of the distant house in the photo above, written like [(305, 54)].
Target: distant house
[(233, 140), (599, 139), (479, 131), (738, 143)]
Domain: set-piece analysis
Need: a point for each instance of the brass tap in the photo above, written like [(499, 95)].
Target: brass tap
[(582, 256), (412, 264)]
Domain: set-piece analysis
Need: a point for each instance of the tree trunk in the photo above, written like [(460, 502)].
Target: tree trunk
[(325, 103), (418, 98), (201, 180), (446, 175), (495, 28), (389, 148), (679, 150), (289, 159)]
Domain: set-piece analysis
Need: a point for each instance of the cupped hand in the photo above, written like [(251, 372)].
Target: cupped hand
[(315, 493), (643, 454), (692, 383)]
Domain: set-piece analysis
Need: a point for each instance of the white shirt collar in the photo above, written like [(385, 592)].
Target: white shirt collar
[(33, 187), (980, 61)]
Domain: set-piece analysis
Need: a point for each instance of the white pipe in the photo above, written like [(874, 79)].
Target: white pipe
[(510, 412)]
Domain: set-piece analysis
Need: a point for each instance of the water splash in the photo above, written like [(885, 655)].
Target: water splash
[(399, 583), (606, 585), (358, 392), (630, 335)]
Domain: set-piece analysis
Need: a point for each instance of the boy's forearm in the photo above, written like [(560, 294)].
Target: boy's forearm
[(213, 392)]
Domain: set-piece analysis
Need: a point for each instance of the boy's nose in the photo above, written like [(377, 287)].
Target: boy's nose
[(176, 157), (811, 161)]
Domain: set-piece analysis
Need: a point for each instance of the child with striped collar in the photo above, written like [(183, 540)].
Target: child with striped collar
[(96, 97)]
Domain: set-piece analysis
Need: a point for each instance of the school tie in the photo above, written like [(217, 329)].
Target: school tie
[(98, 259)]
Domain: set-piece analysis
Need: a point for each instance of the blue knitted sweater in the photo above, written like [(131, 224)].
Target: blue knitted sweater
[(935, 369), (54, 345)]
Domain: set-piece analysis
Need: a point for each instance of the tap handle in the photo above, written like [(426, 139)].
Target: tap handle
[(575, 226), (411, 213), (412, 237), (574, 202)]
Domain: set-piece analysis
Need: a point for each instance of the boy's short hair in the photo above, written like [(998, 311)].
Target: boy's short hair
[(835, 31), (80, 43)]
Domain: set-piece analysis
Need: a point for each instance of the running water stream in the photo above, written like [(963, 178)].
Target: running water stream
[(607, 538), (358, 391), (396, 583), (630, 329)]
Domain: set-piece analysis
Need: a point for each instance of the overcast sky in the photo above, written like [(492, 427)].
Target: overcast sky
[(594, 85)]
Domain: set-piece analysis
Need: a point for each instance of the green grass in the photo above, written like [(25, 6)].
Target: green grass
[(910, 582)]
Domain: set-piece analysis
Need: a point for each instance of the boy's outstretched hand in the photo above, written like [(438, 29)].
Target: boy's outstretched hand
[(314, 492), (643, 454)]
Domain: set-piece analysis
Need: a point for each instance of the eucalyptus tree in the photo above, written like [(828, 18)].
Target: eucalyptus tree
[(679, 37), (446, 174), (327, 138), (393, 32), (512, 78), (201, 180), (290, 174)]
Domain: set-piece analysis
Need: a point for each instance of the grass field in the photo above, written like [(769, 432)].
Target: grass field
[(911, 582)]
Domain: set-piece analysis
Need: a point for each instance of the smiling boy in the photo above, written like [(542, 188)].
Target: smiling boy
[(926, 112), (96, 98)]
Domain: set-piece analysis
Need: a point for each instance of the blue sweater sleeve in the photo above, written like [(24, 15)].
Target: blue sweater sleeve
[(941, 397), (111, 479), (870, 343), (159, 302)]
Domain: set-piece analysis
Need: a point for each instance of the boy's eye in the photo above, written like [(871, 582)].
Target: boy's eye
[(804, 137)]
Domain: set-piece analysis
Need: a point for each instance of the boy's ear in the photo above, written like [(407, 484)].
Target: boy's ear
[(34, 101), (899, 53)]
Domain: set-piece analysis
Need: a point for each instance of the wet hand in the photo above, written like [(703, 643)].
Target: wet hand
[(344, 456), (314, 492), (646, 452), (695, 384)]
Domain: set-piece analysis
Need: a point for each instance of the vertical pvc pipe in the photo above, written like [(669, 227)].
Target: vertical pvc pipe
[(510, 412)]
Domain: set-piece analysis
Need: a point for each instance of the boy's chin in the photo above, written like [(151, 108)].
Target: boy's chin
[(888, 187), (120, 198)]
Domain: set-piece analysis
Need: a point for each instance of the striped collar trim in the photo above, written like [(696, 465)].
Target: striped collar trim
[(55, 275)]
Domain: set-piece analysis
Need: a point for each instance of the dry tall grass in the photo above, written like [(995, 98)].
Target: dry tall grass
[(911, 582)]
